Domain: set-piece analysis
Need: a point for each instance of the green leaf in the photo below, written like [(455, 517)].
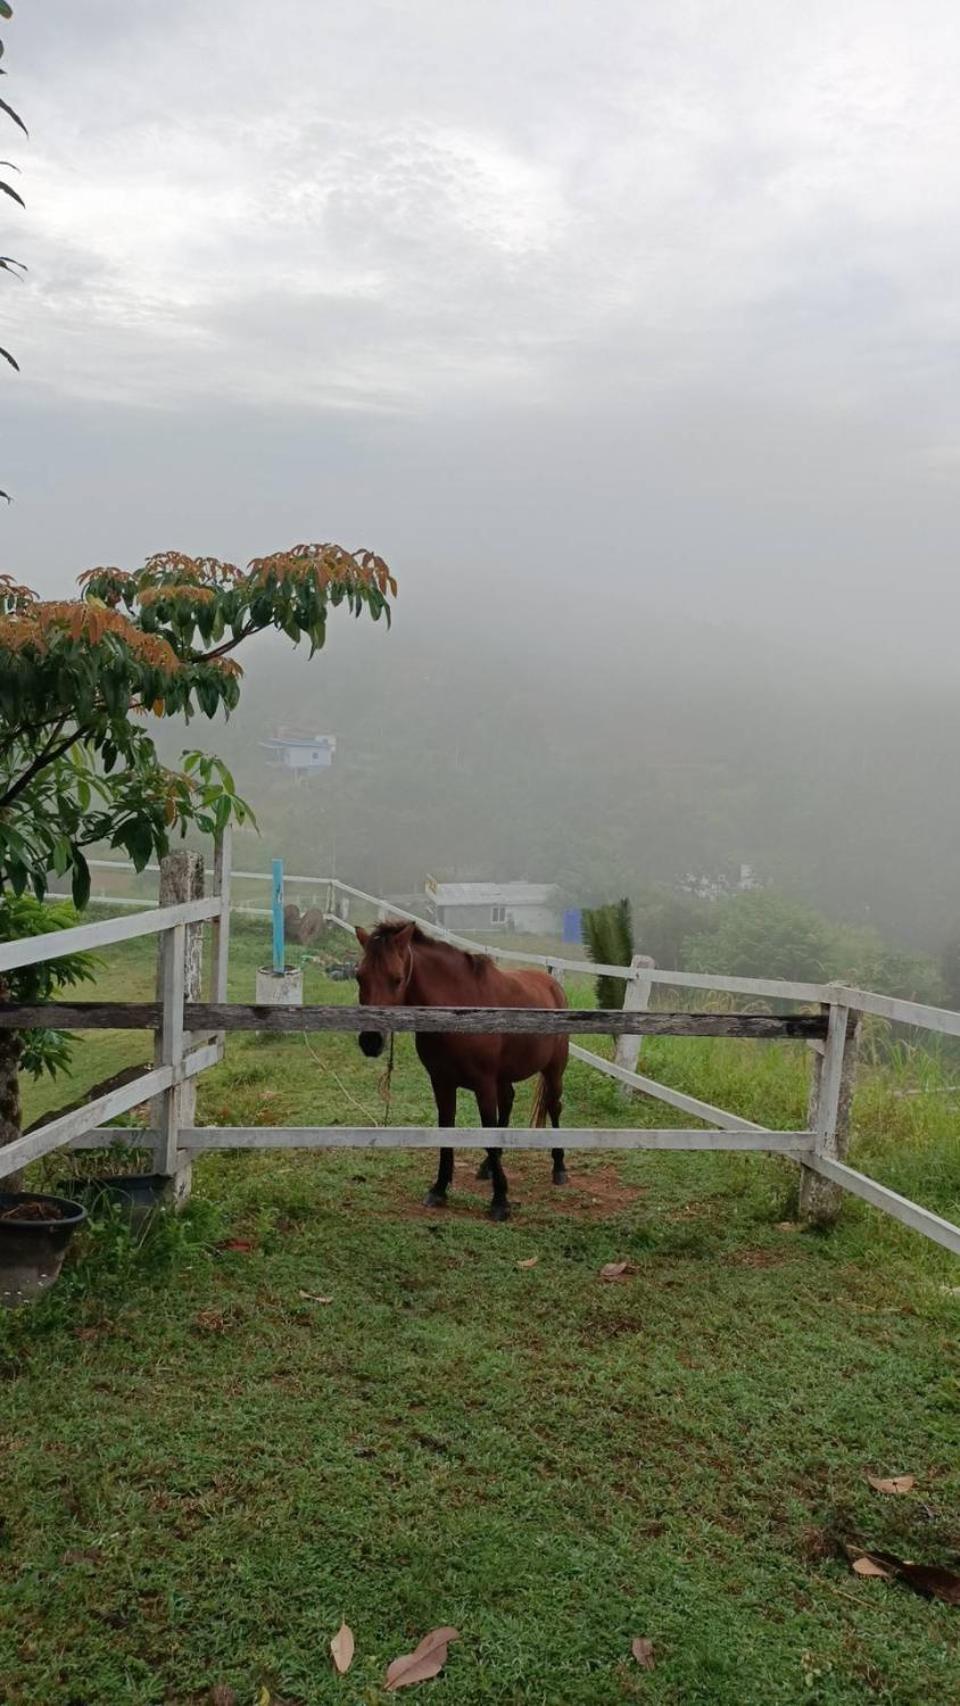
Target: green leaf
[(80, 885), (6, 10)]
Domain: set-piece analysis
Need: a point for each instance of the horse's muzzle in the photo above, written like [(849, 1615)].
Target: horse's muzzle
[(371, 1043)]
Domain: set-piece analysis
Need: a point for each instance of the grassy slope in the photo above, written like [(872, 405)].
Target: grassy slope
[(552, 1463)]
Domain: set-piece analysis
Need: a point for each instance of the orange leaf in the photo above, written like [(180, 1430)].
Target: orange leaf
[(342, 1648), (642, 1650), (426, 1661), (895, 1484)]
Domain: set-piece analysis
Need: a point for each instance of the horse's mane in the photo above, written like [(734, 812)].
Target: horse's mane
[(392, 927)]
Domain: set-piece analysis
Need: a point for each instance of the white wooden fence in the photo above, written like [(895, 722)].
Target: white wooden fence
[(183, 1051)]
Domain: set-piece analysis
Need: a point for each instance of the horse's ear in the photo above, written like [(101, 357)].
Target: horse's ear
[(405, 936), (362, 935)]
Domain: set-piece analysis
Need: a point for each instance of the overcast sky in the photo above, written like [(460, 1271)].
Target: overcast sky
[(660, 296)]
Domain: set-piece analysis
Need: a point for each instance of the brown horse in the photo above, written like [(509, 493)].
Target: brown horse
[(403, 967)]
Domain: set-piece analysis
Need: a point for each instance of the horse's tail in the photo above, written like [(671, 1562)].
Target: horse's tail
[(539, 1115)]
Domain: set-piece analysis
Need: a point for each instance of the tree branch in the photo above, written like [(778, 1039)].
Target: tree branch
[(228, 645), (51, 752)]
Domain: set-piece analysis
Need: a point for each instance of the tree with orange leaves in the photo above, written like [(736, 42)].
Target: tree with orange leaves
[(78, 679)]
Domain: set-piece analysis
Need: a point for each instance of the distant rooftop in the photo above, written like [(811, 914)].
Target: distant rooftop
[(491, 894), (300, 740)]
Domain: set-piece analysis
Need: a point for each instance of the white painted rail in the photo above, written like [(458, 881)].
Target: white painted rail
[(197, 1138), (60, 1132), (80, 938)]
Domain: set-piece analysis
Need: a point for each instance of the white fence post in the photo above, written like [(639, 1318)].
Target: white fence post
[(832, 1083), (636, 999), (178, 980), (221, 925)]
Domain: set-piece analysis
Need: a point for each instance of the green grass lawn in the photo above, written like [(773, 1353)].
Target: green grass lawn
[(202, 1469)]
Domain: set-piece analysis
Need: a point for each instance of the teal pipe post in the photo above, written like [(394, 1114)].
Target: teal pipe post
[(278, 959)]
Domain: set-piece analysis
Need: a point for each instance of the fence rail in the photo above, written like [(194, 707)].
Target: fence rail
[(189, 1037), (474, 1021)]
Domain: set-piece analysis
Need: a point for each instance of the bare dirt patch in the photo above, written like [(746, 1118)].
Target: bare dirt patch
[(758, 1258), (595, 1190)]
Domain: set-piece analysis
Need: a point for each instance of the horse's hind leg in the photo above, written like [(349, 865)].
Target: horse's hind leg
[(446, 1099), (506, 1096)]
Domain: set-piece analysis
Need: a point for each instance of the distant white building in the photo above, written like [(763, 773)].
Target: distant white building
[(720, 885), (300, 753), (533, 908)]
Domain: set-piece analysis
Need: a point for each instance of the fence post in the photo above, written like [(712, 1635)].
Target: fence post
[(636, 999), (221, 925), (178, 980), (832, 1083)]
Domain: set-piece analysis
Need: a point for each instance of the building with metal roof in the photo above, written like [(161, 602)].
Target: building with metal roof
[(533, 908)]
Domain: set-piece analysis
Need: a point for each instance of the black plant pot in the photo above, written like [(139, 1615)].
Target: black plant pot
[(34, 1234), (137, 1195)]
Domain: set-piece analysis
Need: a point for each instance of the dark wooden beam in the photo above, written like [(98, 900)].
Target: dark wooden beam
[(237, 1016)]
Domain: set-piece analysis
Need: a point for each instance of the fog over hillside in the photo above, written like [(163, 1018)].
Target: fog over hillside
[(628, 337)]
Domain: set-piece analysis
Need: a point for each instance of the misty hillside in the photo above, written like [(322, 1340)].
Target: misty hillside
[(607, 756)]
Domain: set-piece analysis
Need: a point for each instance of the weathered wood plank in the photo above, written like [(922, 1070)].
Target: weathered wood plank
[(198, 1138), (890, 1202), (32, 950), (56, 1133), (589, 1021), (665, 1093)]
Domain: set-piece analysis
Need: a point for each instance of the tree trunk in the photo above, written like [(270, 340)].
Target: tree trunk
[(11, 1118)]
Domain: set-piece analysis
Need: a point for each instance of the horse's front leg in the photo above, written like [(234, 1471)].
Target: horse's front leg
[(490, 1116), (445, 1096), (506, 1096)]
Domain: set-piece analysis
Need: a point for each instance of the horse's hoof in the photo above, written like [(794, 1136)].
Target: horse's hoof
[(435, 1199), (561, 1177), (499, 1211), (483, 1171)]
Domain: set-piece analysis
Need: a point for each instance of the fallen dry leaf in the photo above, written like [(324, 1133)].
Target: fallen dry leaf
[(895, 1484), (244, 1244), (866, 1567), (642, 1650), (82, 1555), (617, 1270), (426, 1661), (86, 1332), (221, 1695), (786, 1226), (210, 1321), (311, 1297), (529, 1262), (342, 1648), (263, 1698)]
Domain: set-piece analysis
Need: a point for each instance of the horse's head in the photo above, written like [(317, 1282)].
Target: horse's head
[(384, 974)]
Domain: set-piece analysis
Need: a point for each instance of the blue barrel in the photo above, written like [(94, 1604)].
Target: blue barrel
[(573, 924)]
